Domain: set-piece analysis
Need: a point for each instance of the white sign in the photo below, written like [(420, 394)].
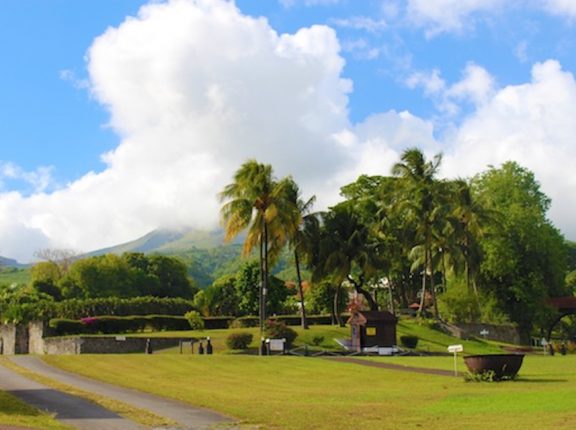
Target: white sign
[(121, 338), (276, 344), (484, 332), (455, 348), (543, 342)]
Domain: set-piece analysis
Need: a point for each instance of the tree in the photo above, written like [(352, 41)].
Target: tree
[(256, 202), (297, 236), (524, 255), (421, 203)]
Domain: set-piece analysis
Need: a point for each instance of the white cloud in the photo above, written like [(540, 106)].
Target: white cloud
[(39, 179), (291, 3), (440, 16), (475, 87), (532, 124), (565, 8), (194, 88), (361, 23)]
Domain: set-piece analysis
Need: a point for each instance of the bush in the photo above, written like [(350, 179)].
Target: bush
[(195, 320), (239, 340), (279, 330), (409, 341)]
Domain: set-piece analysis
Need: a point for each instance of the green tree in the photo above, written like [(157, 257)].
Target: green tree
[(524, 254), (256, 202), (297, 237), (422, 204)]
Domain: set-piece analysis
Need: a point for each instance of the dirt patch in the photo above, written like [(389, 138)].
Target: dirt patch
[(391, 366)]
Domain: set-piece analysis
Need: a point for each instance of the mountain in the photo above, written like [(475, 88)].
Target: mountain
[(204, 252), (8, 262), (166, 241)]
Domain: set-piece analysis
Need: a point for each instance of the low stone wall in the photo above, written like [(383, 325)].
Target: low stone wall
[(499, 332), (107, 344)]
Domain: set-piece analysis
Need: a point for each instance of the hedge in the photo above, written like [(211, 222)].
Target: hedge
[(79, 308)]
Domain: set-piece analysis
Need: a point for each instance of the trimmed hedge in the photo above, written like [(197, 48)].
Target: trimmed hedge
[(79, 308), (112, 324)]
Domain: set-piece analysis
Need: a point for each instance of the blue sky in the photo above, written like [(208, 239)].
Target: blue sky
[(113, 115)]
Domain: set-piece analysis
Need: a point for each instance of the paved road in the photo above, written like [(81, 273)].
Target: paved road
[(69, 409), (187, 417)]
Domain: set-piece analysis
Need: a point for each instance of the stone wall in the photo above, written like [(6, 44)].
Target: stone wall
[(106, 344), (36, 333), (14, 339), (499, 332)]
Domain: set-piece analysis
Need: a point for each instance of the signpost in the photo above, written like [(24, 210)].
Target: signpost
[(484, 333), (455, 349)]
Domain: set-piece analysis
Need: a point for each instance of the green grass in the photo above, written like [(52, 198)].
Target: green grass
[(297, 392), (14, 276), (16, 413), (430, 340)]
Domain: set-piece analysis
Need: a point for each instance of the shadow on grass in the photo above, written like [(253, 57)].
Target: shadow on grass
[(539, 380)]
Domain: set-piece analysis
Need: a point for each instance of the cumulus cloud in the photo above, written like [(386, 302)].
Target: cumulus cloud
[(533, 124), (475, 87), (194, 88)]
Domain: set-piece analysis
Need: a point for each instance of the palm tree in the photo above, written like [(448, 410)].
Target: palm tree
[(253, 201), (297, 235), (471, 218), (418, 177)]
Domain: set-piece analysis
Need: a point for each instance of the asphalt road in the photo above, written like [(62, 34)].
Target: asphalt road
[(86, 415)]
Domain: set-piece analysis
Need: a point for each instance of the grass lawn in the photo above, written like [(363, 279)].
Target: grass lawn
[(429, 340), (316, 393), (16, 413)]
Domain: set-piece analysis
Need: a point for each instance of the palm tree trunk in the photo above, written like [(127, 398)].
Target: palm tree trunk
[(266, 277), (423, 291), (261, 289), (300, 290), (335, 306)]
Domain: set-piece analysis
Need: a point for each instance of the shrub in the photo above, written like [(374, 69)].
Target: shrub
[(195, 320), (278, 330), (317, 340), (409, 341), (239, 340)]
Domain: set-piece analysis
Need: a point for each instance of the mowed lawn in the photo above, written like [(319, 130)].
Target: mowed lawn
[(317, 393)]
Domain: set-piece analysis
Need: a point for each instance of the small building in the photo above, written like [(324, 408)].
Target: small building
[(371, 330)]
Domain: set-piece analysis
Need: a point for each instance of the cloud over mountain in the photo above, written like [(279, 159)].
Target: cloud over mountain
[(195, 87)]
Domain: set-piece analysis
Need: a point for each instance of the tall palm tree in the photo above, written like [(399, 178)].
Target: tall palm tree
[(419, 180), (253, 201), (297, 236), (471, 218)]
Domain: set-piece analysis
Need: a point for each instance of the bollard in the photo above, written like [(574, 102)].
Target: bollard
[(200, 348), (263, 348), (148, 349), (208, 346)]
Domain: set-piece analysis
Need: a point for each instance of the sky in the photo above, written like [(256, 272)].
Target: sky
[(120, 117)]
